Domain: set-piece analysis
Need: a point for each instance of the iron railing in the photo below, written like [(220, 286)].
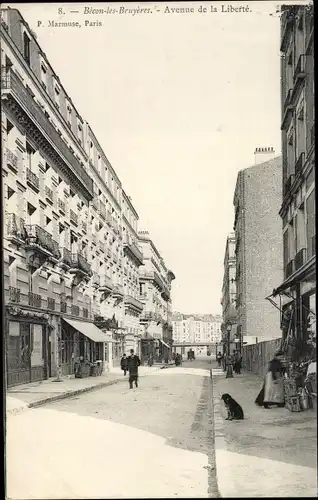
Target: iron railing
[(14, 294), (129, 300), (32, 179), (37, 236), (35, 300), (66, 256), (49, 193), (12, 159), (51, 304), (79, 262), (10, 81), (15, 227)]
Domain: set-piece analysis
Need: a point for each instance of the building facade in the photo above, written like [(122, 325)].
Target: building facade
[(71, 249), (258, 244), (155, 294), (297, 290), (197, 329), (228, 300)]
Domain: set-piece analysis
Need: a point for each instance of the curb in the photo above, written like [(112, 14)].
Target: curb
[(65, 395), (219, 435)]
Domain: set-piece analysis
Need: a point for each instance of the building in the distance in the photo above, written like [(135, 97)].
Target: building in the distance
[(297, 288), (195, 329), (258, 244), (155, 294), (228, 300)]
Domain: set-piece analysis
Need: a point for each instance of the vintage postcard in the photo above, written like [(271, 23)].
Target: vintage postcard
[(159, 246)]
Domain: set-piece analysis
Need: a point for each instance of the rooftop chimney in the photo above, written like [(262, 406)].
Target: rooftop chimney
[(263, 154)]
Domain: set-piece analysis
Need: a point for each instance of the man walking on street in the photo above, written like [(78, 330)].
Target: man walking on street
[(124, 364), (133, 364)]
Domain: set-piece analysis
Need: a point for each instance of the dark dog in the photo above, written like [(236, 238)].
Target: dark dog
[(234, 410)]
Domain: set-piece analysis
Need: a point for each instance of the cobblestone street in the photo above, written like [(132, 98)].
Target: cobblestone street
[(112, 433)]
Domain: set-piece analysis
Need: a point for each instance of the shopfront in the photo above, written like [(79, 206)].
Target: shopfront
[(26, 347)]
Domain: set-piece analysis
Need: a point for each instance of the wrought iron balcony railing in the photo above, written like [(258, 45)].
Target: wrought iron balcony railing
[(32, 179), (14, 294), (41, 239), (35, 300), (51, 304), (49, 194), (15, 229), (290, 268), (299, 163), (66, 256), (79, 262), (15, 89), (300, 258), (61, 206), (129, 300), (12, 160), (73, 217)]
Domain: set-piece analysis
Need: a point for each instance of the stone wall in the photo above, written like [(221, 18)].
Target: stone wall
[(257, 356)]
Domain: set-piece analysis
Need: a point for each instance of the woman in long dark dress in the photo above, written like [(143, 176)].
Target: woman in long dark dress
[(272, 392)]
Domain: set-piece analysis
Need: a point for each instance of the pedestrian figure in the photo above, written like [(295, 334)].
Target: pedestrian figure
[(239, 363), (150, 360), (272, 392), (124, 364), (234, 361), (219, 358), (133, 364)]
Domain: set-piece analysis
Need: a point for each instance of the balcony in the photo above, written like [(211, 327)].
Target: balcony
[(95, 202), (66, 257), (51, 304), (106, 284), (49, 194), (12, 160), (22, 104), (73, 217), (33, 180), (118, 292), (79, 263), (94, 238), (133, 251), (131, 301), (42, 241), (61, 206), (14, 294), (102, 210), (95, 280), (63, 307), (290, 268), (15, 230), (288, 184), (299, 164), (84, 226), (288, 100), (165, 294), (300, 68), (35, 300), (300, 258), (75, 310)]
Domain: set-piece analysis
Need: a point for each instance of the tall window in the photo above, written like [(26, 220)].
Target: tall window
[(311, 224), (26, 48)]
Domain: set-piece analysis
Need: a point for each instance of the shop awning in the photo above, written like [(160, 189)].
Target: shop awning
[(89, 330), (296, 277), (169, 347)]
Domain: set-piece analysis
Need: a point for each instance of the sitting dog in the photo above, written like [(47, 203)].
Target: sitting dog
[(234, 410)]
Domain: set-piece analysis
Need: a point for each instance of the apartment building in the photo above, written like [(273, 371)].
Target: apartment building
[(68, 224), (258, 242), (196, 328), (228, 300), (155, 293), (297, 290)]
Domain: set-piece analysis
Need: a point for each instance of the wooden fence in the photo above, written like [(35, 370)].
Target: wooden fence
[(257, 356)]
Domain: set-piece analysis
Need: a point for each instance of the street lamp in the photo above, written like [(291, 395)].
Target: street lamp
[(229, 367)]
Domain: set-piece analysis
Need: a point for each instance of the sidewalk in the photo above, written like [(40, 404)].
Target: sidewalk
[(22, 397), (272, 453)]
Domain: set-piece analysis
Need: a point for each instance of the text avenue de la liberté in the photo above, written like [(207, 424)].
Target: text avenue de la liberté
[(93, 16)]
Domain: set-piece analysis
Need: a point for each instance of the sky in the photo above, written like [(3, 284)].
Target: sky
[(179, 102)]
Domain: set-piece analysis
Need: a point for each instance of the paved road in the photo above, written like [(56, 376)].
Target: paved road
[(154, 441)]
